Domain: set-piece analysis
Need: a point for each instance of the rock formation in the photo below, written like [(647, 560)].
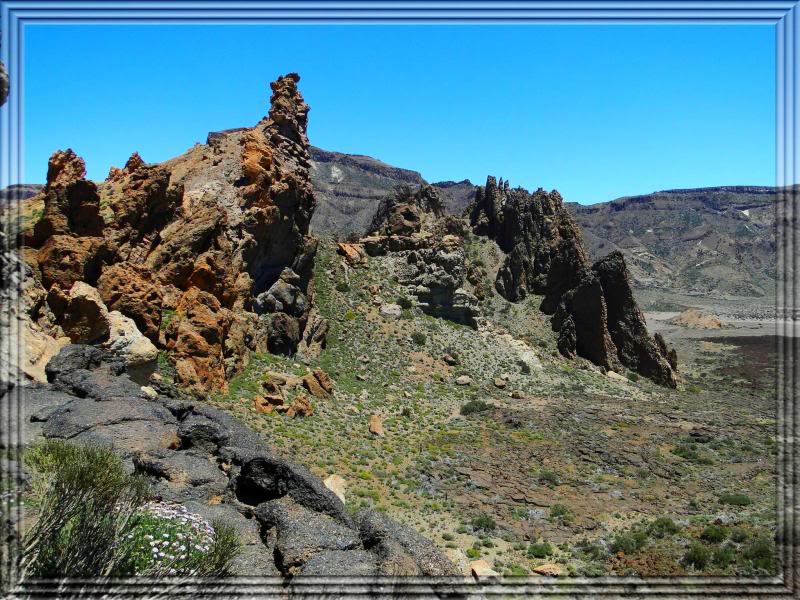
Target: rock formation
[(593, 307), (216, 240), (290, 524), (427, 249)]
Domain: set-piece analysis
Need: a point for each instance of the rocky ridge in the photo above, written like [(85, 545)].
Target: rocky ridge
[(593, 307), (208, 253)]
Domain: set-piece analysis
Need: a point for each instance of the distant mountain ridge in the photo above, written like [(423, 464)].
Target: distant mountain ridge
[(718, 240)]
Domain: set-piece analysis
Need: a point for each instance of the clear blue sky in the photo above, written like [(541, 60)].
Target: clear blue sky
[(594, 111)]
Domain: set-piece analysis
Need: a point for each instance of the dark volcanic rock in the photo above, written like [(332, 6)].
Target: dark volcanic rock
[(593, 307), (401, 551), (213, 465), (427, 248), (302, 533), (637, 349)]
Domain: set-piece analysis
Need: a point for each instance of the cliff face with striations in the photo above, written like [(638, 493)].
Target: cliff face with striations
[(209, 253), (592, 306)]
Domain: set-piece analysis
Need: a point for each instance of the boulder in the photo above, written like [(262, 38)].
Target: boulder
[(481, 571), (302, 533), (354, 254), (85, 318), (376, 426), (549, 570), (127, 342), (284, 334), (324, 380), (314, 387), (391, 311), (300, 407), (337, 485), (401, 551), (464, 380)]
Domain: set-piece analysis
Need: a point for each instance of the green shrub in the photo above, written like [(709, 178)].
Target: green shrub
[(540, 550), (559, 511), (688, 451), (633, 377), (91, 520), (735, 499), (590, 551), (761, 552), (697, 556), (484, 523), (714, 533), (662, 527), (342, 286), (515, 571), (548, 477), (475, 406), (404, 302), (448, 537), (418, 338), (85, 505), (628, 542), (738, 535), (473, 553), (724, 556)]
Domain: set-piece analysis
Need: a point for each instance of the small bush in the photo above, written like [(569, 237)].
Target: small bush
[(448, 537), (714, 533), (540, 550), (475, 406), (548, 477), (724, 556), (662, 527), (762, 554), (697, 556), (735, 499), (404, 302), (342, 286), (588, 550), (484, 523), (559, 511), (86, 504), (418, 338), (473, 553), (738, 535), (515, 571), (629, 542)]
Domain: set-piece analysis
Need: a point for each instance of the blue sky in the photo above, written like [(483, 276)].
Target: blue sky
[(595, 111)]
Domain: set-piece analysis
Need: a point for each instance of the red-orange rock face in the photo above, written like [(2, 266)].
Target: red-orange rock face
[(219, 235), (131, 291)]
